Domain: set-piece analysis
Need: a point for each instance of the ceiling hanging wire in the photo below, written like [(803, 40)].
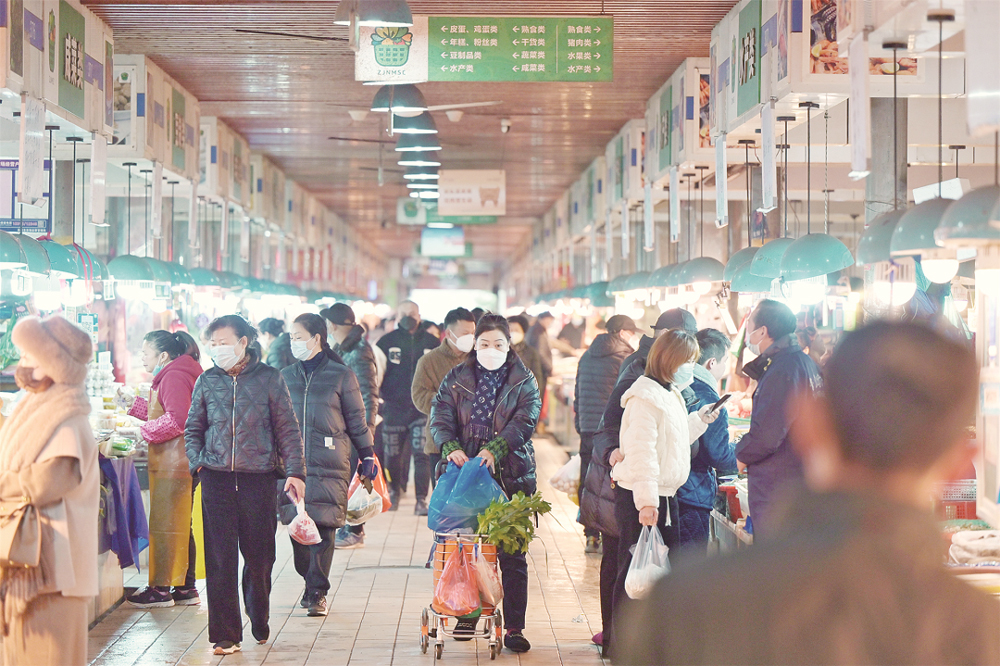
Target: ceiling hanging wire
[(826, 172)]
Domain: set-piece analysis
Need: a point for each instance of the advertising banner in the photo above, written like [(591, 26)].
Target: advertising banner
[(472, 192)]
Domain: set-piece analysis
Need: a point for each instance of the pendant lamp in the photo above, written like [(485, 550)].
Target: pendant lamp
[(419, 159), (702, 271), (62, 263), (10, 252), (421, 173), (402, 100), (409, 143), (745, 281), (425, 194), (767, 262), (967, 221), (873, 246), (422, 185), (419, 124), (35, 258), (738, 261)]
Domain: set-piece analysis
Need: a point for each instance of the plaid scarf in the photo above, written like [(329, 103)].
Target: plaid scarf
[(488, 384)]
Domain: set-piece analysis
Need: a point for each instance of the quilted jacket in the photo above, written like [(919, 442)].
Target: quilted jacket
[(244, 423), (331, 414), (514, 419), (359, 357), (595, 379)]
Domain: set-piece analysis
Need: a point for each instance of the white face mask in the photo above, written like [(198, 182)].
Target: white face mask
[(516, 337), (463, 344), (300, 350), (330, 340), (683, 376), (225, 356), (491, 359), (754, 348), (577, 321)]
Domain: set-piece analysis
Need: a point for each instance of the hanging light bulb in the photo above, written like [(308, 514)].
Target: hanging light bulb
[(939, 271), (895, 283), (809, 291)]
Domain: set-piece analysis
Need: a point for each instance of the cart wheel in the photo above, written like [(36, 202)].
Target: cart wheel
[(424, 631), (438, 649), (494, 651)]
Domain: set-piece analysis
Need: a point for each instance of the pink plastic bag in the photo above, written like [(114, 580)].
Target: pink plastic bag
[(302, 528)]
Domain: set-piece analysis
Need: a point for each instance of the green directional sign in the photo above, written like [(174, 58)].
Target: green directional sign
[(433, 217), (478, 48)]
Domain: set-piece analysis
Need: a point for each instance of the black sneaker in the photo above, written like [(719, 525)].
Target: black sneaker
[(185, 596), (151, 597), (515, 641), (465, 627), (261, 635), (421, 508), (306, 598), (226, 647), (318, 606)]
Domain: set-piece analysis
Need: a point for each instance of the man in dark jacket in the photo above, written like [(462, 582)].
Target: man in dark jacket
[(782, 371), (595, 380), (597, 501), (696, 498), (241, 433), (403, 426), (853, 573)]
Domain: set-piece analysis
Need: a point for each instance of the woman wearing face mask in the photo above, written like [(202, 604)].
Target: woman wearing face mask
[(331, 415), (240, 434), (486, 410), (173, 360), (654, 458), (529, 355)]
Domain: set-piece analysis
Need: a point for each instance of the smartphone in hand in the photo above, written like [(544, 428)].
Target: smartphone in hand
[(721, 401)]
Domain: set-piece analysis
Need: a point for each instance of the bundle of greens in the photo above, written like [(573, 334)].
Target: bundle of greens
[(507, 524)]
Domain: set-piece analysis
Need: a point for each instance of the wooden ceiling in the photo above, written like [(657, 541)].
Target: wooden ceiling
[(287, 96)]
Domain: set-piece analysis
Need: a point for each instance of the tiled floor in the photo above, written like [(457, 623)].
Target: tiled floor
[(375, 604)]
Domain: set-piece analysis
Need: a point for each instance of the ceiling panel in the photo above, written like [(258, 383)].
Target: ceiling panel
[(287, 96)]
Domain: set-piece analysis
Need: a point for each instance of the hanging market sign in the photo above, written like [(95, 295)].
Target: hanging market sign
[(472, 192)]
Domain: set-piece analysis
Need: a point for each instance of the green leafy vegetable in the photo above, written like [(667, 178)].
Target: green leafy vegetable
[(507, 524)]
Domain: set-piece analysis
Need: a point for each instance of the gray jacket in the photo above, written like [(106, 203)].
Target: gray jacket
[(244, 423)]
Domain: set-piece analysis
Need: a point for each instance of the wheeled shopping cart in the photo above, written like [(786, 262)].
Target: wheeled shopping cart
[(435, 626)]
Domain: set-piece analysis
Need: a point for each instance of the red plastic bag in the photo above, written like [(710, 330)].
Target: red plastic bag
[(457, 591), (378, 484), (303, 528)]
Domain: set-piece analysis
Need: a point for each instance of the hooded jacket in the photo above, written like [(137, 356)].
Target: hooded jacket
[(714, 451), (331, 414), (402, 350), (514, 419), (782, 371), (244, 423), (359, 357), (656, 437), (431, 370), (596, 376)]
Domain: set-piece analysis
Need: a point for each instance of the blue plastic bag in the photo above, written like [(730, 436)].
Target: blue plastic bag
[(461, 494)]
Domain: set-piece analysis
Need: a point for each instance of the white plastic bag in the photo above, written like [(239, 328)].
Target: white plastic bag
[(567, 479), (303, 528), (649, 563), (490, 587), (980, 547), (362, 506)]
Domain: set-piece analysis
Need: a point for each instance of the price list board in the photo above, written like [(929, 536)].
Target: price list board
[(520, 49)]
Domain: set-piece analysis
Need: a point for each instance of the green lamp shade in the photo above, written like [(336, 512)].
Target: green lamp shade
[(746, 282), (915, 232), (637, 281), (161, 271), (35, 259), (422, 173), (179, 275), (62, 262), (405, 98), (767, 261), (130, 268), (419, 158), (702, 269), (101, 271), (738, 261), (344, 10), (312, 296), (87, 265), (409, 143), (617, 286), (658, 277), (421, 124), (258, 286), (579, 291), (10, 252), (202, 277), (873, 246), (228, 280), (598, 295), (387, 13), (967, 221), (814, 255)]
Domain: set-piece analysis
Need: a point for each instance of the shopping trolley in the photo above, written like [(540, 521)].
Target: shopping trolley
[(437, 626)]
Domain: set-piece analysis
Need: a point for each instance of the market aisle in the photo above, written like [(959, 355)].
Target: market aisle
[(378, 593)]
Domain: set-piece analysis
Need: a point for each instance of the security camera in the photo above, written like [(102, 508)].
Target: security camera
[(505, 124)]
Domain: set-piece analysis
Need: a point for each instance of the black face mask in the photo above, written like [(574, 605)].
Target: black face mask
[(408, 324)]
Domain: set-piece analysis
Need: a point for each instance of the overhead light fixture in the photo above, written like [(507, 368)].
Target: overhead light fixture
[(967, 221), (422, 173), (62, 263), (402, 100), (383, 13), (425, 194), (873, 246), (914, 236), (767, 262), (133, 277), (814, 255), (10, 252), (35, 258), (409, 143), (895, 282), (419, 159), (420, 124), (700, 273), (440, 225), (746, 282), (422, 185), (738, 261)]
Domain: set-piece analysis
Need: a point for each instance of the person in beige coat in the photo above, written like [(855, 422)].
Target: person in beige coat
[(48, 457)]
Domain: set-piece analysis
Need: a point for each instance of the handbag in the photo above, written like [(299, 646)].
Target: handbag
[(20, 536)]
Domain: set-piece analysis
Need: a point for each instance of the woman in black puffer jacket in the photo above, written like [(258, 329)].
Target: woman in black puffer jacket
[(331, 414), (486, 409)]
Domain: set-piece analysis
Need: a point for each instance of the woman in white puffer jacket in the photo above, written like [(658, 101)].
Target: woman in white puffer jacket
[(654, 459)]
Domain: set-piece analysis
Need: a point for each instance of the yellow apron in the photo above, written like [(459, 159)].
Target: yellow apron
[(169, 507)]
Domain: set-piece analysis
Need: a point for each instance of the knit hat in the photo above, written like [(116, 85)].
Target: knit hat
[(677, 318), (61, 349)]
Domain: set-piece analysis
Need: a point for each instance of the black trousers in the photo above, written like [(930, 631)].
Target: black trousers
[(627, 517), (240, 517), (313, 562), (609, 575), (401, 443), (586, 452), (514, 577)]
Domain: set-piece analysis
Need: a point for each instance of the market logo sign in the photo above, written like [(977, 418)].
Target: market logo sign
[(393, 55)]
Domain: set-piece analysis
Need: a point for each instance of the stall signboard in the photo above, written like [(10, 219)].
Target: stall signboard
[(577, 206), (216, 158), (16, 217), (240, 172), (472, 192), (690, 135), (315, 211), (633, 137), (294, 197), (267, 192), (598, 191)]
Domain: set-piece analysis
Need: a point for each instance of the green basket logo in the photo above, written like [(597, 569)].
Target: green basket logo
[(392, 46)]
